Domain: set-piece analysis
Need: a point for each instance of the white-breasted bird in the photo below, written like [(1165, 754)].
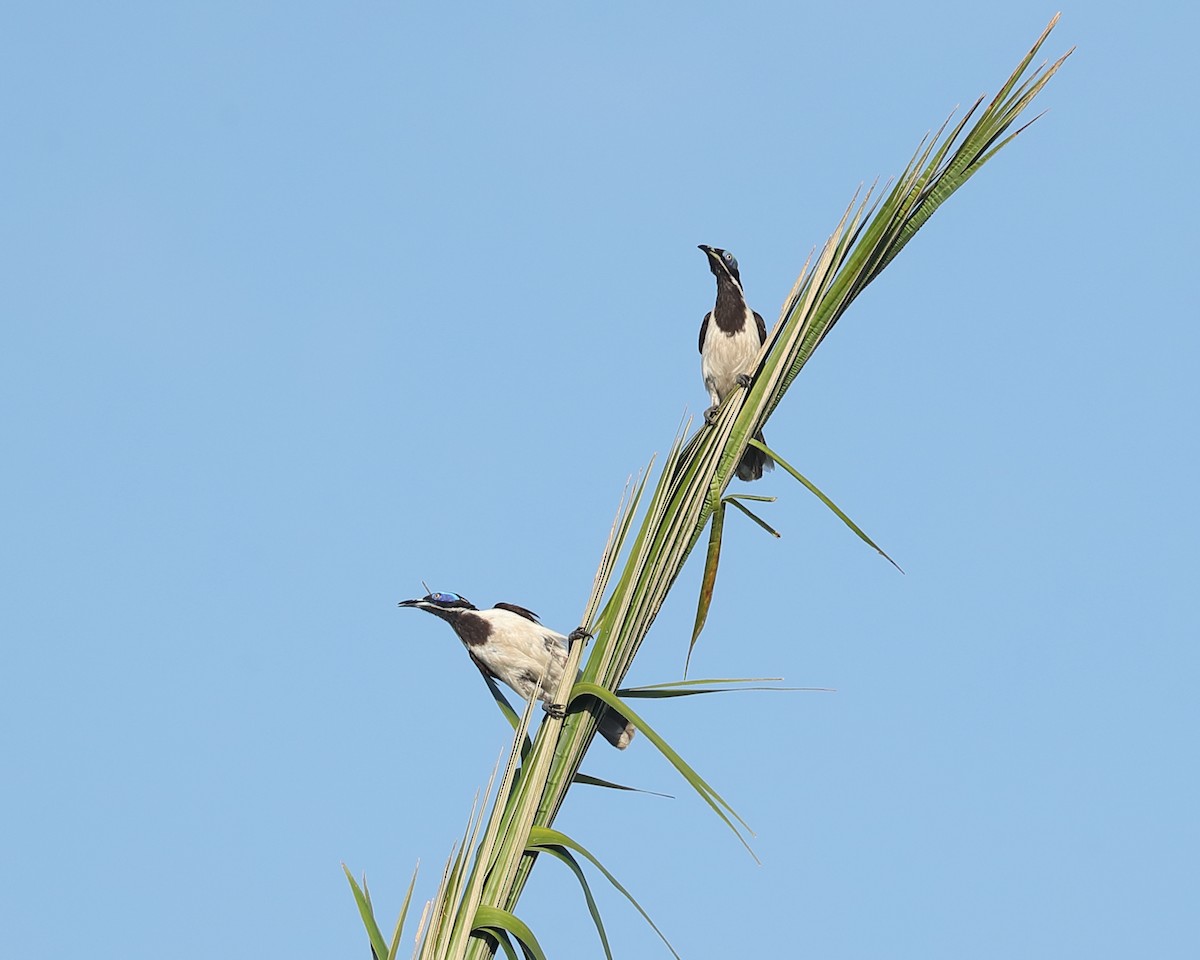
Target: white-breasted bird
[(730, 338), (508, 644)]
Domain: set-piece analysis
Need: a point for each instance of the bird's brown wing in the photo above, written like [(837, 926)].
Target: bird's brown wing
[(519, 611)]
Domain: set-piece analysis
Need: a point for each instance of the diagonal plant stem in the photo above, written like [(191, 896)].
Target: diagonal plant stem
[(694, 478), (479, 909)]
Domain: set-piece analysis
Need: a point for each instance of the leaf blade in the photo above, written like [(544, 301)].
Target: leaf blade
[(708, 581), (825, 500)]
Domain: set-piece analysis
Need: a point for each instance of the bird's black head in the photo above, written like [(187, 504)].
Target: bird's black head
[(444, 605), (722, 263)]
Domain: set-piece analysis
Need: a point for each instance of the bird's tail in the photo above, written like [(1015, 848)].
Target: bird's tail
[(615, 728), (754, 462)]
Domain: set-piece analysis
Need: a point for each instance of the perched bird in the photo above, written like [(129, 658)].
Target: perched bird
[(730, 338), (507, 643)]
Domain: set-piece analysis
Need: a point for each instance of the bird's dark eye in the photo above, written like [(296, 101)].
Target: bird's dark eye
[(444, 597), (728, 257)]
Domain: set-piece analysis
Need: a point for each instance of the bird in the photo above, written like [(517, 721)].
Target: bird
[(507, 643), (731, 335)]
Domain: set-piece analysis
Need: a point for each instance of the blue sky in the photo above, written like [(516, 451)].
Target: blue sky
[(305, 303)]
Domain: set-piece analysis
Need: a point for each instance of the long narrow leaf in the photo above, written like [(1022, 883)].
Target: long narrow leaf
[(502, 940), (753, 516), (671, 694), (624, 691), (698, 783), (506, 708), (825, 500), (683, 496), (565, 856), (709, 580), (394, 949), (379, 946), (492, 919), (546, 838), (589, 780)]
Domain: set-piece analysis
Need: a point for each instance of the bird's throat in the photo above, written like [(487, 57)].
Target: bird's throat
[(730, 311)]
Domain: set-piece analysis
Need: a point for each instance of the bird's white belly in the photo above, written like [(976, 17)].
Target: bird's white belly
[(725, 356), (517, 652)]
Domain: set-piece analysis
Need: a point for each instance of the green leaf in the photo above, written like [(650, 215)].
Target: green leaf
[(691, 688), (589, 780), (698, 783), (506, 708), (363, 899), (753, 516), (564, 855), (545, 838), (709, 580), (625, 691), (626, 510), (647, 694), (495, 920), (651, 544), (713, 558), (825, 500), (394, 950), (502, 940)]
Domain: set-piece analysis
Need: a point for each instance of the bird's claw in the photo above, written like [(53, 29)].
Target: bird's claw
[(556, 710), (710, 415), (577, 635), (744, 379)]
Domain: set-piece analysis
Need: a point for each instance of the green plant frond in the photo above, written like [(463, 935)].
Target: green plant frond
[(496, 921), (394, 949), (483, 849), (545, 838), (494, 844), (713, 558), (361, 897), (709, 580), (752, 515), (669, 684), (510, 856), (589, 780), (698, 783), (789, 304), (422, 941), (626, 510), (431, 916), (501, 939), (660, 694), (506, 708), (621, 596), (795, 339), (453, 888), (559, 853), (663, 519), (449, 900), (825, 500), (1028, 59), (981, 144)]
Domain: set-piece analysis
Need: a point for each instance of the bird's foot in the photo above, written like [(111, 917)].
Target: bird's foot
[(710, 415), (744, 379), (555, 710), (577, 635)]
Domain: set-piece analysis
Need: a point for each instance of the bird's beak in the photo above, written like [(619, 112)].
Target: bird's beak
[(409, 603), (706, 248)]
